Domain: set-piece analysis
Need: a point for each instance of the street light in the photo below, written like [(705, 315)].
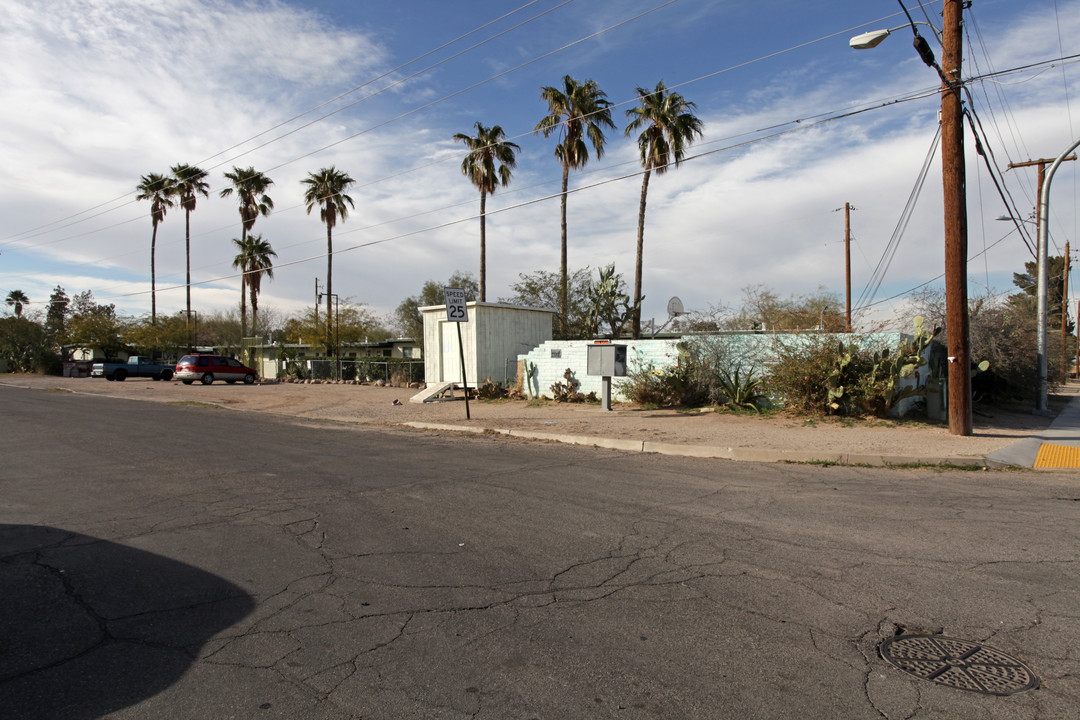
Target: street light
[(953, 179), (873, 38)]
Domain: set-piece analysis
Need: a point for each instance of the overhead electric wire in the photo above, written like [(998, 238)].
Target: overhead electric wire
[(934, 279), (331, 100), (982, 146), (520, 135), (878, 276), (516, 206), (1056, 60), (24, 236), (524, 134)]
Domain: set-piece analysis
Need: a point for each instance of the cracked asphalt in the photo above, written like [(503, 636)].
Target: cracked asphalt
[(173, 561)]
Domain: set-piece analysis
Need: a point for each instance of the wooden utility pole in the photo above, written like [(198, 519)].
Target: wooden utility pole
[(847, 262), (953, 175)]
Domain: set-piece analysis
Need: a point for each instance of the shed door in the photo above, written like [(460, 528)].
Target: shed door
[(451, 356)]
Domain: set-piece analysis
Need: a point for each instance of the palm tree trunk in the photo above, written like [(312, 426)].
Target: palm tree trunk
[(329, 287), (563, 295), (153, 278), (253, 288), (243, 284), (636, 332), (187, 255), (483, 247)]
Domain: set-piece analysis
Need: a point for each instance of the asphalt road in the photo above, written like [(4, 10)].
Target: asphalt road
[(165, 561)]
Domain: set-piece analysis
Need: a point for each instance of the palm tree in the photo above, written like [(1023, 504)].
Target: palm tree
[(576, 111), (158, 189), (189, 182), (250, 186), (254, 259), (16, 299), (668, 126), (485, 150), (326, 189)]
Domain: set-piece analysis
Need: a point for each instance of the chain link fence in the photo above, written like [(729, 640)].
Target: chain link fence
[(395, 371)]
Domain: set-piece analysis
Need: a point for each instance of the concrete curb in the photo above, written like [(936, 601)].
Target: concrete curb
[(708, 451)]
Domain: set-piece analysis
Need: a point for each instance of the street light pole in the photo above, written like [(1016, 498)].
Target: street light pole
[(1042, 405), (953, 174)]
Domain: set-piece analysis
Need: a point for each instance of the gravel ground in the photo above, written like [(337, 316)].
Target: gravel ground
[(375, 405)]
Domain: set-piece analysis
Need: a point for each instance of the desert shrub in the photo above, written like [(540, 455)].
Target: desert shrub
[(718, 372), (567, 391), (645, 384), (800, 374), (491, 390), (822, 376)]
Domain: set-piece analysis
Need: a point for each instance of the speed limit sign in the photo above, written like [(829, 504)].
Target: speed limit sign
[(455, 305)]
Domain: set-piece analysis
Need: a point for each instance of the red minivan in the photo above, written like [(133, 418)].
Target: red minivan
[(207, 368)]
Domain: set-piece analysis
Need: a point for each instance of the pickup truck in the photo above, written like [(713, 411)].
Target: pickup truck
[(136, 366)]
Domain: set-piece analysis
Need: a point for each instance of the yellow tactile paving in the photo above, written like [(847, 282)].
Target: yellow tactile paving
[(1058, 456)]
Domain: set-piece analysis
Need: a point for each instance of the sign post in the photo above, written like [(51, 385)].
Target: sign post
[(457, 312)]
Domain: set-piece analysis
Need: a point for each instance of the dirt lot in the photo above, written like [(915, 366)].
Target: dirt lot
[(375, 405)]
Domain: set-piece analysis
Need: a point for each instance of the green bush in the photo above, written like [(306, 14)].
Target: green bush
[(822, 376), (801, 374), (718, 373), (645, 384)]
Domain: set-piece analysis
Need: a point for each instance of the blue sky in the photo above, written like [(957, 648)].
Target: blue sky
[(96, 94)]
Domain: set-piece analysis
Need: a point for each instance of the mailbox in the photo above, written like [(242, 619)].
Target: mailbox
[(607, 359)]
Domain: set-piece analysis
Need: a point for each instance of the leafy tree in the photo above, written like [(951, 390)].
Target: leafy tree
[(57, 312), (1003, 332), (542, 289), (188, 183), (763, 309), (488, 165), (254, 258), (96, 326), (1028, 281), (16, 299), (326, 188), (576, 113), (250, 187), (354, 324), (159, 190), (25, 345), (668, 126), (409, 321)]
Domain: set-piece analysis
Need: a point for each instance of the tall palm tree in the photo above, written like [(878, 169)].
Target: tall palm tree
[(158, 189), (254, 258), (326, 188), (488, 165), (16, 299), (576, 112), (250, 186), (668, 126), (189, 182)]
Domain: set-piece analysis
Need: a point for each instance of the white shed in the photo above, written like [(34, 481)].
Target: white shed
[(493, 338)]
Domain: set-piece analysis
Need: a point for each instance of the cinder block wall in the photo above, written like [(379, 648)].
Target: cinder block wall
[(574, 355)]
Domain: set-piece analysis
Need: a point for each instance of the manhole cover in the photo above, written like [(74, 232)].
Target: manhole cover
[(960, 664)]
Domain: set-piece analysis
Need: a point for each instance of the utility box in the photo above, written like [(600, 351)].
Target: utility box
[(607, 359)]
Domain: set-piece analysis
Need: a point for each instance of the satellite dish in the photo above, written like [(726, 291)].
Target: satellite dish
[(675, 307)]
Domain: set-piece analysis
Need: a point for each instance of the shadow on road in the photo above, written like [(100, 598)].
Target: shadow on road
[(89, 626)]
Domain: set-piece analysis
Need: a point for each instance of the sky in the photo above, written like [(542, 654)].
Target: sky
[(95, 94)]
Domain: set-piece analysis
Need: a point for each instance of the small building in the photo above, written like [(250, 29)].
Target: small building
[(493, 338)]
